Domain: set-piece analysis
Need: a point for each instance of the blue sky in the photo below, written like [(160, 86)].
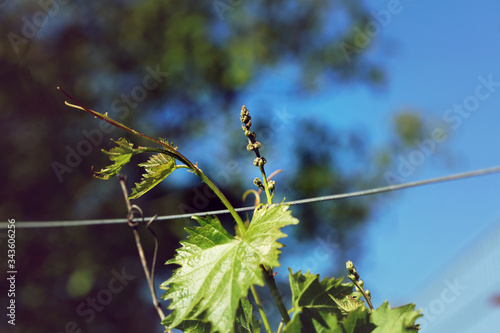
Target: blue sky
[(435, 55), (444, 47)]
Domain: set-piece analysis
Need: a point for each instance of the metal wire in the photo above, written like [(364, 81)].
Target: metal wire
[(49, 224)]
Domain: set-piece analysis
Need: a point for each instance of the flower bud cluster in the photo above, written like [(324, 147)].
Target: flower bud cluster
[(354, 276), (351, 270), (259, 161), (254, 145), (272, 185), (247, 123), (257, 182)]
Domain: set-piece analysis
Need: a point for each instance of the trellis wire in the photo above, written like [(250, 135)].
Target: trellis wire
[(48, 224)]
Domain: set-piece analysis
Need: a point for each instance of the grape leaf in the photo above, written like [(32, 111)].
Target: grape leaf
[(397, 320), (217, 269), (308, 291), (357, 321), (194, 326), (245, 321), (314, 308), (350, 303), (120, 155), (158, 167), (313, 320)]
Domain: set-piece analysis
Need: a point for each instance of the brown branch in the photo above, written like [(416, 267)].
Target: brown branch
[(133, 225)]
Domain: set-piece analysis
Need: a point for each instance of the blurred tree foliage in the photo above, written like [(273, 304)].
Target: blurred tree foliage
[(168, 68)]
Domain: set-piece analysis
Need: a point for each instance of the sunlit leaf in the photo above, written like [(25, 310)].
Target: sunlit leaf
[(314, 308), (158, 167), (120, 155), (397, 320), (349, 304), (217, 269)]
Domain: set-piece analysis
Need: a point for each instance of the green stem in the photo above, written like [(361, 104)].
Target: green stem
[(280, 327), (367, 298), (271, 283), (266, 186), (268, 274), (261, 309), (197, 171), (222, 198)]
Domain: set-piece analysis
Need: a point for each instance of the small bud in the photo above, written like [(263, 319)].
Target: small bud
[(247, 123), (257, 182), (245, 119), (259, 161), (244, 113), (352, 271), (272, 185), (254, 146)]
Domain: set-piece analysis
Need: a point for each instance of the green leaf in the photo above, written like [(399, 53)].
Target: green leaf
[(120, 155), (192, 326), (398, 320), (314, 308), (349, 303), (245, 321), (311, 320), (158, 167), (357, 321), (308, 291), (217, 269), (331, 306)]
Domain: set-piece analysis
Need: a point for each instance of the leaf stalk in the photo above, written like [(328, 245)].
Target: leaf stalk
[(261, 309), (271, 283)]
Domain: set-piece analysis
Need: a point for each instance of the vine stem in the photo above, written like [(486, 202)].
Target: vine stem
[(261, 309), (280, 327), (268, 273), (266, 186), (271, 283), (367, 298), (222, 198)]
